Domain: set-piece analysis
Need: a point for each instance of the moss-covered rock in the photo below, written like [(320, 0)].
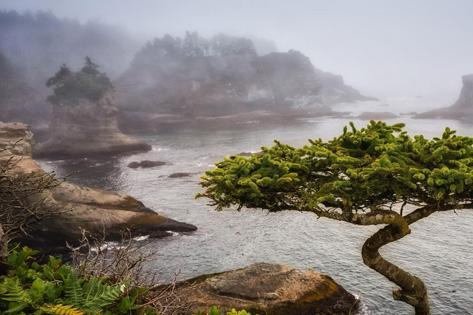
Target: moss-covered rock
[(264, 288)]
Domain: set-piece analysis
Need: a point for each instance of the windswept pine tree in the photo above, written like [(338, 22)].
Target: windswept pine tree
[(377, 175)]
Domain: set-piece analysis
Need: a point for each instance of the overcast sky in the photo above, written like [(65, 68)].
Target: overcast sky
[(383, 48)]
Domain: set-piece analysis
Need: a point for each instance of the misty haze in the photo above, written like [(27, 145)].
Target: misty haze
[(236, 157)]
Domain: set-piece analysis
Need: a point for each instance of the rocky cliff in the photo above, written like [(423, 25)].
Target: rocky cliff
[(81, 207), (87, 128), (463, 107)]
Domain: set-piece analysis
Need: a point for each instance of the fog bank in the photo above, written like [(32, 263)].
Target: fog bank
[(386, 49)]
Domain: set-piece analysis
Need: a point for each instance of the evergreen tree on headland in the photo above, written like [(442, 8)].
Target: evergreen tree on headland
[(88, 83), (377, 175)]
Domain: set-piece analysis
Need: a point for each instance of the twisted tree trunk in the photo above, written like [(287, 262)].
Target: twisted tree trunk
[(413, 290)]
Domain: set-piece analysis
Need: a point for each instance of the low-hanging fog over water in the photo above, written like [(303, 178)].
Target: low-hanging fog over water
[(438, 250), (406, 57), (383, 48)]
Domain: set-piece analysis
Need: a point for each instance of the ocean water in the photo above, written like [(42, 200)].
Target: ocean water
[(439, 249)]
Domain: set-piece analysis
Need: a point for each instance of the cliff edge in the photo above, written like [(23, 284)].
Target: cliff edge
[(81, 207)]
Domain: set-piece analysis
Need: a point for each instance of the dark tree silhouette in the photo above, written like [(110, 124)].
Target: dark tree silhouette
[(88, 83)]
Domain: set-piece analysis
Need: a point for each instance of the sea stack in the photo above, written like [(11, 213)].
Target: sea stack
[(463, 107), (84, 117), (465, 101)]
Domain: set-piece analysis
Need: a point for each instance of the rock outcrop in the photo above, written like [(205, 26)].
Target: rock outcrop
[(264, 288), (81, 207), (145, 164), (463, 107), (87, 128)]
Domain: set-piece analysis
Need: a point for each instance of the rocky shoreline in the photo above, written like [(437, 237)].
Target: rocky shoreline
[(148, 122), (81, 207), (260, 288)]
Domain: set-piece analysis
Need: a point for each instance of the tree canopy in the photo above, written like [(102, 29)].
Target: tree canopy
[(88, 83), (364, 176), (362, 171), (193, 45)]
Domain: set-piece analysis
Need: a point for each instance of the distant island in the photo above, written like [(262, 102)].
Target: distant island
[(175, 78)]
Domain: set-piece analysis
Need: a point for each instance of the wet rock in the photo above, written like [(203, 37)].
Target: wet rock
[(145, 164), (179, 175), (264, 288)]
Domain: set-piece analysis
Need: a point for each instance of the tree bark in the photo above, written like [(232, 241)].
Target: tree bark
[(413, 290)]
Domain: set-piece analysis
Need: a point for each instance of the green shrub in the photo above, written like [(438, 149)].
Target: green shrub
[(28, 287)]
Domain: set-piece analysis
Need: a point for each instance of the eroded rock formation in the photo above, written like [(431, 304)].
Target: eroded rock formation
[(463, 107), (81, 207), (87, 128), (264, 288)]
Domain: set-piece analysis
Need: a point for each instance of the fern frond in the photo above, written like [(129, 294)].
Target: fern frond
[(60, 309), (99, 295), (14, 291), (73, 291)]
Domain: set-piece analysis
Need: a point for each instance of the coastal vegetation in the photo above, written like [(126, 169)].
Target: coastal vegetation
[(71, 247), (94, 278), (54, 287), (376, 175), (88, 83)]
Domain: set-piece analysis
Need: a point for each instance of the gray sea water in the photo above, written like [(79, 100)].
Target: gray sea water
[(439, 249)]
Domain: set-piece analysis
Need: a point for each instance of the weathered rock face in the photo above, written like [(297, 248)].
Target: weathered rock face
[(87, 128), (264, 288), (465, 101), (81, 207), (463, 107)]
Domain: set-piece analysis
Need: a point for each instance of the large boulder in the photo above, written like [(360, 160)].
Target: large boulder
[(87, 128), (264, 288), (94, 210), (463, 107)]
